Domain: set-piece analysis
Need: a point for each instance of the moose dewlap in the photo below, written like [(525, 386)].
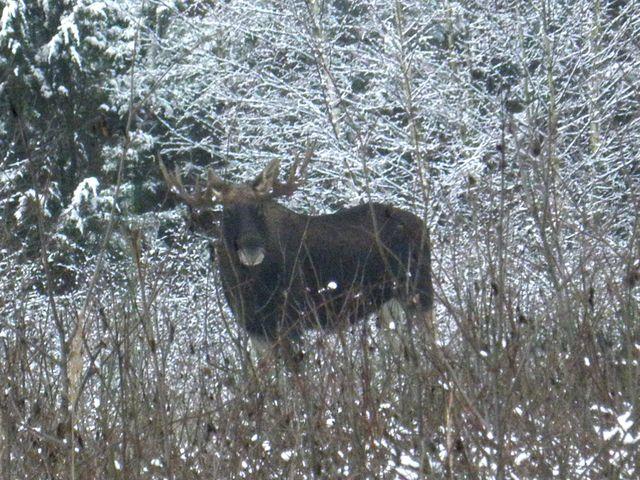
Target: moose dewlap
[(284, 271)]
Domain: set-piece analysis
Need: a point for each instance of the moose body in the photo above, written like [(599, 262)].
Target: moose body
[(321, 271), (283, 272)]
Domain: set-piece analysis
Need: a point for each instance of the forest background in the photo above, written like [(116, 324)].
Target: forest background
[(512, 128)]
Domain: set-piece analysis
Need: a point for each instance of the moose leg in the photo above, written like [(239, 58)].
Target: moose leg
[(290, 351), (268, 351), (427, 319), (422, 315), (414, 319), (406, 320), (264, 351), (392, 314)]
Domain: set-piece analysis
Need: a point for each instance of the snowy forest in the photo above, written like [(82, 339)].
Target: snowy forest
[(511, 128)]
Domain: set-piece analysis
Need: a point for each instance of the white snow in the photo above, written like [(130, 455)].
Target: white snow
[(23, 203), (85, 195), (8, 12), (286, 455)]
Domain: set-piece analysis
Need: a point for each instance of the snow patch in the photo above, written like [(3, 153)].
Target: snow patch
[(8, 13), (97, 9), (286, 455), (23, 204), (85, 197), (521, 457)]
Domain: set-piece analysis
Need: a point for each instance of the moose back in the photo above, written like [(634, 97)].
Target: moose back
[(283, 272)]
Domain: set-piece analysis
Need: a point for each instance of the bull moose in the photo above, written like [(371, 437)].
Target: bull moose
[(284, 272)]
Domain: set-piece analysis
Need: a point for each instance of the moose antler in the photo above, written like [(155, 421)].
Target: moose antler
[(296, 175), (199, 197)]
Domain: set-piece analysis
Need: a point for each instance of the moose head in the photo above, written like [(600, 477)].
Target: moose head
[(244, 204), (283, 272)]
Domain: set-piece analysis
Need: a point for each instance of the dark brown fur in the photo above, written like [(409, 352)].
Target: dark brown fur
[(284, 272)]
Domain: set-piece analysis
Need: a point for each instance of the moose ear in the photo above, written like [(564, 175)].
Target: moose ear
[(263, 184)]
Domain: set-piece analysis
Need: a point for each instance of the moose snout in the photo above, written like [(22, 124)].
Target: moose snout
[(250, 253), (251, 256)]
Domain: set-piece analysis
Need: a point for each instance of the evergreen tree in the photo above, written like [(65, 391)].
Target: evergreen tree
[(59, 61)]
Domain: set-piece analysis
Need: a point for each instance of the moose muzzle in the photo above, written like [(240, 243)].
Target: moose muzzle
[(251, 256)]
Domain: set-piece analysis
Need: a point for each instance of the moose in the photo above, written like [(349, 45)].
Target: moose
[(283, 272)]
